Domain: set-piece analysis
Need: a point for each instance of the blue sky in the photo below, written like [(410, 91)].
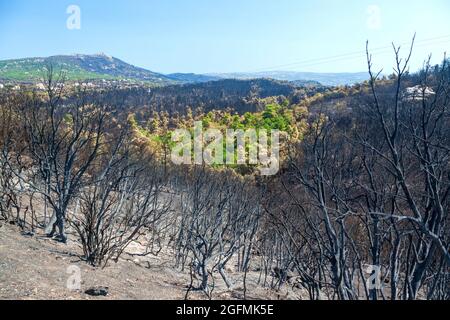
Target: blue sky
[(229, 35)]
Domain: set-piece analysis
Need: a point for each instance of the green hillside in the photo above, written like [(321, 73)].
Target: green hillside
[(77, 68)]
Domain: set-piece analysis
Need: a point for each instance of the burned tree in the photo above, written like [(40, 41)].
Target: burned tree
[(415, 152), (121, 203), (62, 142), (368, 190), (219, 218)]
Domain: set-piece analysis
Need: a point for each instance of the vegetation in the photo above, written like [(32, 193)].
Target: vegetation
[(78, 68), (359, 209)]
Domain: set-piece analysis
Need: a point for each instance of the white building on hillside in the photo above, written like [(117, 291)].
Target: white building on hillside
[(40, 86), (418, 93)]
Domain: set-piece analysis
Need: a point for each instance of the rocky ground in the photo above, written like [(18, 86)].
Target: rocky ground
[(36, 267)]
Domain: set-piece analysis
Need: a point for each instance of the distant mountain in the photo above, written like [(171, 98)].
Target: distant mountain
[(306, 83), (192, 77), (327, 79), (79, 67)]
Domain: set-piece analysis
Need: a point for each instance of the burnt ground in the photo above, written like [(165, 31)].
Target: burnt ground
[(36, 267)]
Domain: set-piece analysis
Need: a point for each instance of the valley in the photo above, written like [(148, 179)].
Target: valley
[(225, 158)]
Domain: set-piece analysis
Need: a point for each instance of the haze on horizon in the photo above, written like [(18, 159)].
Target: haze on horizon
[(234, 36)]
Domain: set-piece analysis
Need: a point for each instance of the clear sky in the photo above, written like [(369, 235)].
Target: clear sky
[(228, 35)]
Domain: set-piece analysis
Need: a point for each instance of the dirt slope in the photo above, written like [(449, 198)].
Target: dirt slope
[(35, 267)]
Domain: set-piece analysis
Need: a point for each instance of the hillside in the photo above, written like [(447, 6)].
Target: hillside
[(81, 67), (327, 79), (78, 67), (192, 77), (34, 267), (239, 95)]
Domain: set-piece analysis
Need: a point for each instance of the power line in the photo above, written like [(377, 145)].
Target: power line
[(351, 55), (364, 55)]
